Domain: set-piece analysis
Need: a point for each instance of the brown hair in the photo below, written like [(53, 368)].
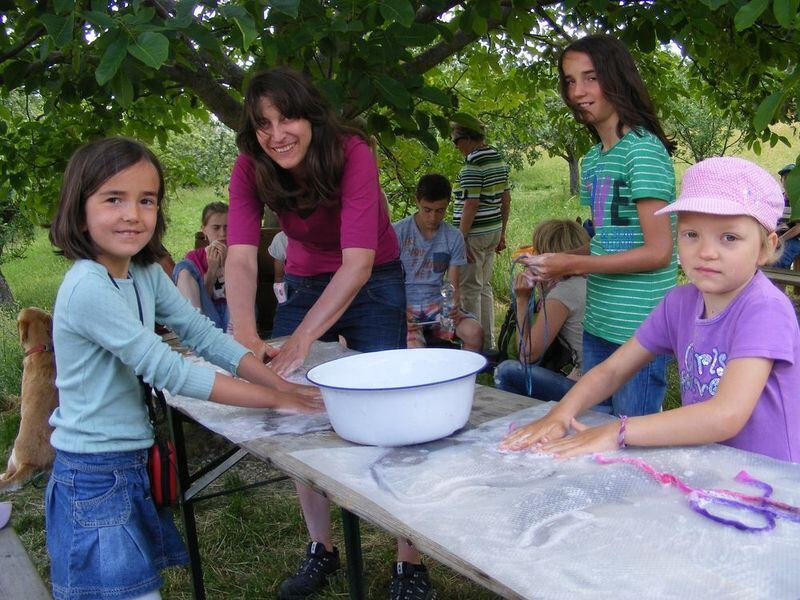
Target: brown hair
[(295, 97), (213, 208), (559, 235), (621, 83), (459, 131), (89, 167)]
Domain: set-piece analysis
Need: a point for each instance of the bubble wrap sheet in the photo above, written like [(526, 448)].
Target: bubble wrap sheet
[(569, 529), (240, 425)]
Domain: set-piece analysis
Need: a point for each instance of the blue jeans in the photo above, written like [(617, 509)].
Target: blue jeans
[(375, 319), (791, 248), (531, 380), (643, 394), (105, 537)]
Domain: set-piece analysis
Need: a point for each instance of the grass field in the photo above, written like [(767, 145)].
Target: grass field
[(251, 540)]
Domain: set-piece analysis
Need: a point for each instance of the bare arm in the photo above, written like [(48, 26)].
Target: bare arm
[(238, 392), (717, 419), (452, 275), (339, 293), (241, 279), (505, 210), (278, 270), (544, 330), (654, 253)]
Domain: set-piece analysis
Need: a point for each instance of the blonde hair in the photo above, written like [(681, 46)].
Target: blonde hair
[(559, 235)]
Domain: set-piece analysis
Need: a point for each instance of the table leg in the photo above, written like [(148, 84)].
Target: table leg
[(355, 563), (187, 505)]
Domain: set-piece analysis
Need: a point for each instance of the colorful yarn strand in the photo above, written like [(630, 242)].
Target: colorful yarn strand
[(701, 500)]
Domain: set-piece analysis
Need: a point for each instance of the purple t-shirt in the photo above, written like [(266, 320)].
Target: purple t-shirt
[(759, 323), (359, 220)]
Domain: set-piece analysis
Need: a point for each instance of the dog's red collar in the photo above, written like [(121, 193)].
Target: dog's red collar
[(39, 348)]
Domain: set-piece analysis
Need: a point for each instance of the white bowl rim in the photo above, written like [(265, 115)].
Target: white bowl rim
[(484, 362)]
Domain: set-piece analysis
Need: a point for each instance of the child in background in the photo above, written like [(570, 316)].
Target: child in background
[(430, 250), (734, 334), (626, 178), (559, 316), (200, 276), (277, 250), (105, 537)]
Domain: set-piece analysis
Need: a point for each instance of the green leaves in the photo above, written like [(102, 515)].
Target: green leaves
[(785, 12), (288, 7), (111, 60), (766, 110), (151, 48), (244, 21), (59, 28), (749, 13), (397, 11), (392, 91)]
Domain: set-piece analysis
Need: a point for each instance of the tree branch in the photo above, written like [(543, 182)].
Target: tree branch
[(23, 43)]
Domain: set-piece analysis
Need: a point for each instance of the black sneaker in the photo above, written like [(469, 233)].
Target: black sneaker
[(313, 573), (411, 582)]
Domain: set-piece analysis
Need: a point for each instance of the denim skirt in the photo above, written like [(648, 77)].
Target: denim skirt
[(105, 537), (374, 320)]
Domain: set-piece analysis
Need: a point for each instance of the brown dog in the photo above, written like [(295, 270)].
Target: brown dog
[(32, 450)]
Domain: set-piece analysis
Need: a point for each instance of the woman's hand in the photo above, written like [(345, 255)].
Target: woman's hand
[(587, 440), (550, 427), (290, 355)]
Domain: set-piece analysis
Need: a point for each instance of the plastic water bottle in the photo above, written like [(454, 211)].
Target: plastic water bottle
[(448, 306)]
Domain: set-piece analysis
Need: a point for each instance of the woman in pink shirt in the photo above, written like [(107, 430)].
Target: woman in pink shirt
[(343, 275)]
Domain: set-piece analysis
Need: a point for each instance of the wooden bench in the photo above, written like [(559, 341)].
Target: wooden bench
[(19, 580), (783, 276)]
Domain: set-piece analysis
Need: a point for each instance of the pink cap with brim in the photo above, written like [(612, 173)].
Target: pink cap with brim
[(730, 186)]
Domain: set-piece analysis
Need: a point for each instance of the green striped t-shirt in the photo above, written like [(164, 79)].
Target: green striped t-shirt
[(483, 178), (637, 167)]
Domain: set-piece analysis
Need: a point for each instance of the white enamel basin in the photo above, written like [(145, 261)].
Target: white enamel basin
[(398, 397)]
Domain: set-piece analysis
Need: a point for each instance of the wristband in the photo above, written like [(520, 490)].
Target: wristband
[(621, 435)]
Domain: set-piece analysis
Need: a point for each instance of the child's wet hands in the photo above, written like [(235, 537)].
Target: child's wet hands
[(586, 440), (535, 434), (301, 402)]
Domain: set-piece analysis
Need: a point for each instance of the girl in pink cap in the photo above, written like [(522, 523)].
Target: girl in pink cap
[(734, 335)]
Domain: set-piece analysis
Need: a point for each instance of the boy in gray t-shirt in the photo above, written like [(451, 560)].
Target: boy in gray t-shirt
[(431, 249)]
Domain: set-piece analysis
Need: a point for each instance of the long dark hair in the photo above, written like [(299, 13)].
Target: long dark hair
[(89, 167), (621, 83), (295, 97)]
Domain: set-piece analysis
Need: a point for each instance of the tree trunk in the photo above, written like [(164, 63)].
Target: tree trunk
[(6, 297), (574, 176)]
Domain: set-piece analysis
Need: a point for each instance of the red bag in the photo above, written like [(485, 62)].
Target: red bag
[(162, 469)]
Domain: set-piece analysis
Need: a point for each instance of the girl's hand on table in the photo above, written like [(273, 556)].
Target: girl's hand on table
[(534, 434), (587, 440), (311, 391), (307, 400)]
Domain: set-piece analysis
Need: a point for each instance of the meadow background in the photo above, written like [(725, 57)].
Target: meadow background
[(250, 540)]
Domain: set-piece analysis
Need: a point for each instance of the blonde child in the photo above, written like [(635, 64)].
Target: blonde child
[(734, 334), (559, 317), (105, 537), (200, 276)]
